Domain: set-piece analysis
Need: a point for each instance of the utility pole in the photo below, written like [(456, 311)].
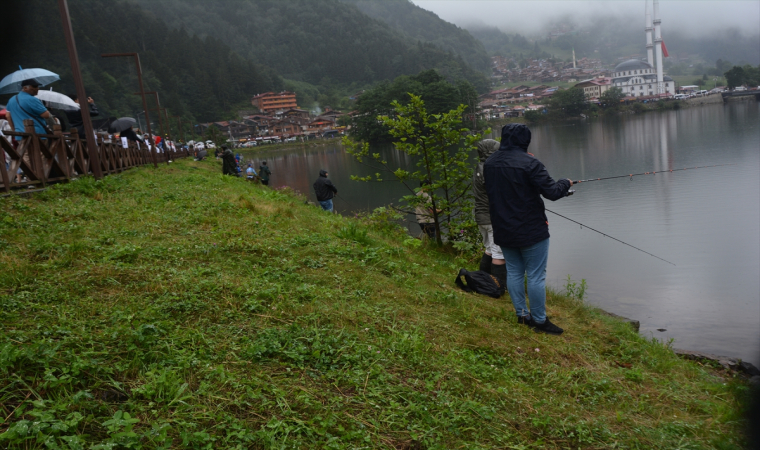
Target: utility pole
[(89, 134), (142, 93)]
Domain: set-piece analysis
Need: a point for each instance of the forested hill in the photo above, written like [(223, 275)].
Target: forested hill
[(323, 42), (421, 24), (200, 79)]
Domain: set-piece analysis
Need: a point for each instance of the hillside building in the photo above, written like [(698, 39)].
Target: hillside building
[(269, 102)]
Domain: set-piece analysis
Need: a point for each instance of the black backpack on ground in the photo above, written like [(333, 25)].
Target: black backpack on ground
[(479, 282)]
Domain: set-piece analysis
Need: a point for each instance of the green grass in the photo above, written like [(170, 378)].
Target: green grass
[(177, 308)]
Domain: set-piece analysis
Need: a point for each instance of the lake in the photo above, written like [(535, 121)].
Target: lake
[(705, 221)]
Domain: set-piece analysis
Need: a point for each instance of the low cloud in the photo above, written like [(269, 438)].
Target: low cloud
[(692, 18)]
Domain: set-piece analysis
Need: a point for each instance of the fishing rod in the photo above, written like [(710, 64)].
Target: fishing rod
[(607, 235), (631, 175)]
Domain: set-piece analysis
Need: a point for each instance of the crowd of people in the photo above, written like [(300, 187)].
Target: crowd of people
[(27, 106)]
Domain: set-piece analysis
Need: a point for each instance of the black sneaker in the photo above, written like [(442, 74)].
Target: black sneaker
[(548, 328), (525, 320)]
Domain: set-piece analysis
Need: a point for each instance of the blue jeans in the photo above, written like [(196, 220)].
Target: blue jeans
[(530, 261), (327, 205)]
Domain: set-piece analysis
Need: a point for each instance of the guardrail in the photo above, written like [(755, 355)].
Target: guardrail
[(57, 157)]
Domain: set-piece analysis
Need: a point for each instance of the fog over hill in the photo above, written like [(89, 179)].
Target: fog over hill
[(699, 31), (692, 19)]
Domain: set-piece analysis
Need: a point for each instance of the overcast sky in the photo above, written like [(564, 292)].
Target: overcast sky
[(695, 16)]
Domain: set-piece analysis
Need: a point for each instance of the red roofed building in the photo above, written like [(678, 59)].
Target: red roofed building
[(275, 101)]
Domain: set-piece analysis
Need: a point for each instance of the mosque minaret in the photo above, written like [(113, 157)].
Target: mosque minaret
[(637, 78)]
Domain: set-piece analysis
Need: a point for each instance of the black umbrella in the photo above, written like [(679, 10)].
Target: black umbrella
[(119, 125)]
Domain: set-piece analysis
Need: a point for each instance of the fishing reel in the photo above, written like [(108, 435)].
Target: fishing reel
[(570, 192)]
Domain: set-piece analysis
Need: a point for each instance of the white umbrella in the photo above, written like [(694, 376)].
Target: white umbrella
[(57, 100)]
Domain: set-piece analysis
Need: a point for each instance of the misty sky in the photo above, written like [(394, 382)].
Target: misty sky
[(525, 16)]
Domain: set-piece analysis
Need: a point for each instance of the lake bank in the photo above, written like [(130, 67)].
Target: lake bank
[(217, 312)]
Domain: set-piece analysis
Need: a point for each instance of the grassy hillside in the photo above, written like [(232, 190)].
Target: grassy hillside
[(175, 307)]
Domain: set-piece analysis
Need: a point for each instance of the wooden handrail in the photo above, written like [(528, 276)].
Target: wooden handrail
[(59, 157)]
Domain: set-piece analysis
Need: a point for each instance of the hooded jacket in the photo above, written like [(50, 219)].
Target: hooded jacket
[(515, 182), (229, 165), (324, 188), (486, 148)]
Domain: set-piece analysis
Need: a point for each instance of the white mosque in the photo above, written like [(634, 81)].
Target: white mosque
[(642, 78)]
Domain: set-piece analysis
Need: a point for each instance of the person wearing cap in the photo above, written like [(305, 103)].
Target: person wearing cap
[(264, 173), (250, 173), (25, 106)]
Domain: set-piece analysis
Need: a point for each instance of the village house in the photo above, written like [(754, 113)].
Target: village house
[(595, 87)]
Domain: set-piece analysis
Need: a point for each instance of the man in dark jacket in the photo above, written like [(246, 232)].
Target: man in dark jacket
[(515, 181), (229, 165), (492, 260), (75, 116), (264, 173), (325, 191)]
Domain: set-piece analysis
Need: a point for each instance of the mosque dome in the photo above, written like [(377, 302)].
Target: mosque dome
[(633, 64)]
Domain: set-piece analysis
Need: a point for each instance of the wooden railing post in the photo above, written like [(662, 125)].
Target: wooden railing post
[(35, 157)]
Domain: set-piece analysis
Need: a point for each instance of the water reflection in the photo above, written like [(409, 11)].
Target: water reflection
[(706, 221)]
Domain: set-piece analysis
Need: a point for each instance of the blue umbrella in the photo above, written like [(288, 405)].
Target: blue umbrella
[(12, 83)]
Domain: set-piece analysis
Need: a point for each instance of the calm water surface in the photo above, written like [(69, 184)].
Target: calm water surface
[(705, 221)]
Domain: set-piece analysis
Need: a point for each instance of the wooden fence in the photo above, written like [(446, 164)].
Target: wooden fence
[(50, 158)]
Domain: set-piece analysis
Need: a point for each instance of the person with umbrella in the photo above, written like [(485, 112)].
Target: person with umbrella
[(25, 106), (75, 115)]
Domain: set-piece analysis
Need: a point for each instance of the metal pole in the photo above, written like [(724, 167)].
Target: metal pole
[(144, 100), (89, 134), (168, 124), (179, 122)]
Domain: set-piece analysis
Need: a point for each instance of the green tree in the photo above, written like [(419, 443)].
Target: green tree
[(568, 103), (735, 76), (436, 91), (442, 147), (611, 97)]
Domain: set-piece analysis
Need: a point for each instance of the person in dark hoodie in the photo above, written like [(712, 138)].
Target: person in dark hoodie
[(325, 191), (492, 260), (515, 182), (75, 116), (229, 165)]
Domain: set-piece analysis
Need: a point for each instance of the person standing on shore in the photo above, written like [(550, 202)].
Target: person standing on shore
[(424, 211), (264, 173), (229, 165), (325, 191), (492, 260), (515, 181)]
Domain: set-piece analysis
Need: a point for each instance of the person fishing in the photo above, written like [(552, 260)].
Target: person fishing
[(250, 174), (229, 165), (264, 173), (515, 181), (325, 191), (492, 260)]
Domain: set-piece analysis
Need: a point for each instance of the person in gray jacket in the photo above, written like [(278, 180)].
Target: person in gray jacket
[(492, 260)]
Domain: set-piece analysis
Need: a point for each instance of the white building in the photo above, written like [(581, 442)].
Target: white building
[(638, 78), (642, 78)]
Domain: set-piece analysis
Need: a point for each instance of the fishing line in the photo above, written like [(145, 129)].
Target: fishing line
[(607, 235), (631, 175)]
